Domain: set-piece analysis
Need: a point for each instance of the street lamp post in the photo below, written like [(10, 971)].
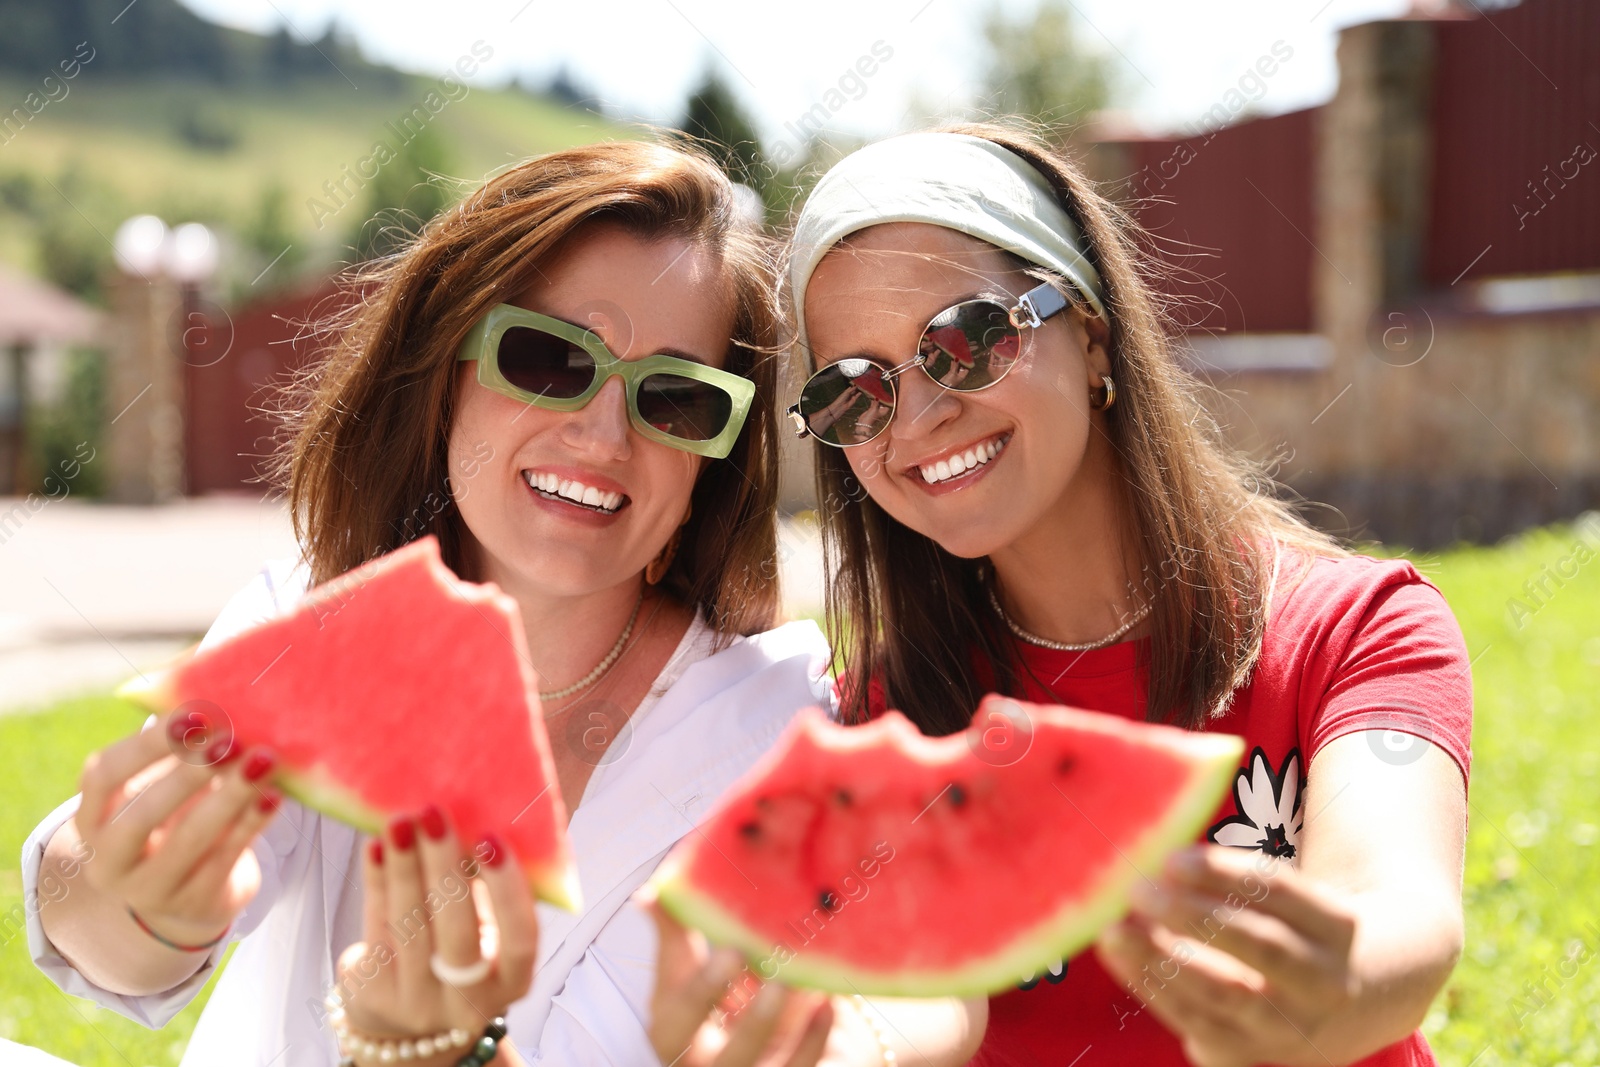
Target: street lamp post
[(156, 268)]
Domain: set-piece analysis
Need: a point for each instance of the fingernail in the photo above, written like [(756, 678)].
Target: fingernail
[(432, 820), (1187, 863), (269, 803), (258, 764), (491, 852), (403, 832), (187, 728), (375, 851), (1148, 898), (770, 1000)]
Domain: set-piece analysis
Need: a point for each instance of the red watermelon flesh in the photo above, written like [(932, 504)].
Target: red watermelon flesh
[(873, 859), (388, 689)]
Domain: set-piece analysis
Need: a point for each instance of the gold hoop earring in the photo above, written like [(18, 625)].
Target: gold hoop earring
[(656, 569), (1105, 396)]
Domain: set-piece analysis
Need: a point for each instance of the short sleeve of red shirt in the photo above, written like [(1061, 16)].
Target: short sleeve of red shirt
[(1368, 644)]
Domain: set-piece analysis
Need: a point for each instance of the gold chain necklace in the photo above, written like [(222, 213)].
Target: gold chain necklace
[(1061, 646)]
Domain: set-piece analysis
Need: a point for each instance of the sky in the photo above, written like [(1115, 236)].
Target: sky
[(1173, 59)]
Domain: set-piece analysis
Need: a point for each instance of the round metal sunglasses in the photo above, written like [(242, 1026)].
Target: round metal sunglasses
[(967, 347)]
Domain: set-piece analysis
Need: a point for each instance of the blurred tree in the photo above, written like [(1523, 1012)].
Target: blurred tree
[(566, 88), (270, 236), (408, 191), (166, 38), (1039, 68), (71, 251), (715, 116), (63, 434)]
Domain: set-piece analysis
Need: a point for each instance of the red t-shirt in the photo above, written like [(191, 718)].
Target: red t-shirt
[(1352, 643)]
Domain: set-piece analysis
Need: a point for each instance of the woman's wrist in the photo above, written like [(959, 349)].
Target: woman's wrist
[(179, 941), (455, 1046)]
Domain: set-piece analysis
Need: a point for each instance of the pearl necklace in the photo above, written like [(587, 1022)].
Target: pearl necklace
[(604, 665), (1061, 646)]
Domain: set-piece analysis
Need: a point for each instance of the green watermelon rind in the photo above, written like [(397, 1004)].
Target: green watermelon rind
[(1056, 938)]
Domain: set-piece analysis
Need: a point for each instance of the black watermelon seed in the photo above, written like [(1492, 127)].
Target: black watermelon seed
[(750, 831), (843, 797), (958, 795), (828, 900), (1065, 764)]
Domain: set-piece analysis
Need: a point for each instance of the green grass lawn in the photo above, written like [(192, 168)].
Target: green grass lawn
[(1524, 994), (43, 756)]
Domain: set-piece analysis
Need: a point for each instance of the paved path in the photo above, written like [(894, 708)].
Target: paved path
[(90, 593)]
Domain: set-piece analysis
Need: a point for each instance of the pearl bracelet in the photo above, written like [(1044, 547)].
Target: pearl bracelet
[(890, 1058), (393, 1050)]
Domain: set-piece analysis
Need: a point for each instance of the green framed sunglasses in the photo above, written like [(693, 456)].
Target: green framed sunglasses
[(557, 366)]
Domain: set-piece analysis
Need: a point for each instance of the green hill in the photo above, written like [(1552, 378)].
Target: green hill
[(248, 144)]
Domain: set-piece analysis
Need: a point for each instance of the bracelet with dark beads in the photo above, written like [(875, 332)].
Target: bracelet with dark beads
[(488, 1045), (483, 1051)]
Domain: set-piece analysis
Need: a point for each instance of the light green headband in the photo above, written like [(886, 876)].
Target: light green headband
[(952, 180)]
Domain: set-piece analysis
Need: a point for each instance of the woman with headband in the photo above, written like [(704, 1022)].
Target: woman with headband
[(1030, 499)]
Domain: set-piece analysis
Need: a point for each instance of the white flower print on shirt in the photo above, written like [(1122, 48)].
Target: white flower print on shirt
[(1269, 816)]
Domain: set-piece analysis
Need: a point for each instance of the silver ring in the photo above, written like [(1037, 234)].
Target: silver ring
[(460, 977)]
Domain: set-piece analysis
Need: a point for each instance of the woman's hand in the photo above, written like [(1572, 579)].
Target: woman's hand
[(424, 897), (163, 827), (708, 1008), (1240, 955)]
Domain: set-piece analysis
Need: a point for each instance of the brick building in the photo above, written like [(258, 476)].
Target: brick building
[(1397, 293)]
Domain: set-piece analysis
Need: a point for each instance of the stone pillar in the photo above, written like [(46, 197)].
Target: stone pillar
[(145, 394), (1372, 180)]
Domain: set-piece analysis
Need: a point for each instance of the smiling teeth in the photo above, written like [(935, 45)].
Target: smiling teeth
[(573, 491), (961, 463)]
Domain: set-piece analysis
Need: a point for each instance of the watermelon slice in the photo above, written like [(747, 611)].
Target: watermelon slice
[(873, 859), (390, 688)]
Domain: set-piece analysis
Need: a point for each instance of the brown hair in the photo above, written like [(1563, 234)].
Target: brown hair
[(365, 464), (917, 620)]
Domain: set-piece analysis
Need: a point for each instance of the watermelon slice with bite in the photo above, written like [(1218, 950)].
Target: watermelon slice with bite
[(388, 689), (873, 859)]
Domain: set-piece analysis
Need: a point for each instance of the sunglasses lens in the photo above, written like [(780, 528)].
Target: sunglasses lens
[(848, 402), (544, 364), (683, 407), (970, 345)]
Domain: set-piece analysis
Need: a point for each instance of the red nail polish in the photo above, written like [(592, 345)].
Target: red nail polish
[(375, 851), (491, 852), (258, 764), (269, 803), (403, 832), (188, 728), (432, 820)]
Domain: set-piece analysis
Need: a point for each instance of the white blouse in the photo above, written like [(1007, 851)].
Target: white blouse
[(706, 720)]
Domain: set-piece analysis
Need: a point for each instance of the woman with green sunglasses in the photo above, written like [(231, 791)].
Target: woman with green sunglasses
[(568, 381)]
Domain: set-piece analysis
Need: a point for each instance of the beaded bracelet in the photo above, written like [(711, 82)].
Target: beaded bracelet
[(890, 1058), (351, 1044)]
